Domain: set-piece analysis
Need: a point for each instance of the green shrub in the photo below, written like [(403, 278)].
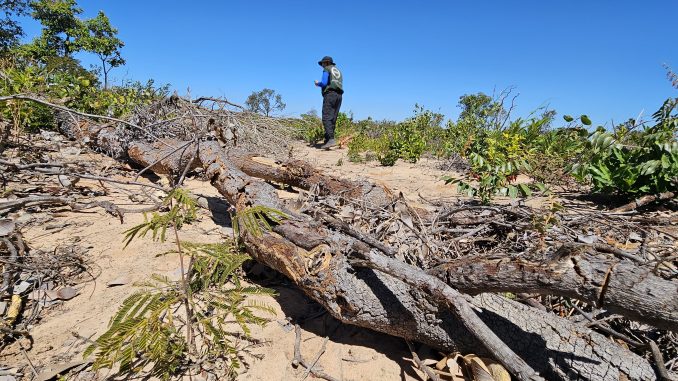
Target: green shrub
[(389, 141), (145, 336), (630, 163)]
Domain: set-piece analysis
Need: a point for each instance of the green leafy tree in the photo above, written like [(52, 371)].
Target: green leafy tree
[(10, 30), (61, 26), (100, 38), (265, 102), (475, 106)]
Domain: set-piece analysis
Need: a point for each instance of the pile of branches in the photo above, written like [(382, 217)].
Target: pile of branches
[(174, 117), (466, 278), (33, 279), (513, 249)]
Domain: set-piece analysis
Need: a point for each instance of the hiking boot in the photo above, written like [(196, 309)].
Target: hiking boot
[(329, 144)]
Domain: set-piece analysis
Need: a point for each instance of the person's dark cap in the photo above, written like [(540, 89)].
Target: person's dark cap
[(327, 60)]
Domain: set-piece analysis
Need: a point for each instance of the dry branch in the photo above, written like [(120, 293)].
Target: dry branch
[(642, 201), (456, 302), (575, 271), (316, 259), (316, 256)]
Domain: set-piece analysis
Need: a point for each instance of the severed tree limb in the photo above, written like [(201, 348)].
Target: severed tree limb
[(456, 302), (642, 201), (576, 271), (169, 153), (300, 174), (315, 258)]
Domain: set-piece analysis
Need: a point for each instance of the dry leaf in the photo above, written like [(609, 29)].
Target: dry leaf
[(479, 370), (67, 293), (454, 368), (440, 365), (7, 227), (498, 372), (429, 362)]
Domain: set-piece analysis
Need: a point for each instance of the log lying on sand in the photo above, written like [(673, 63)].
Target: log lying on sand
[(318, 260), (645, 200), (300, 174), (576, 271)]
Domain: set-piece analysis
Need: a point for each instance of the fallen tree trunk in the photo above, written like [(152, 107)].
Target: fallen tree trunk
[(642, 201), (576, 271), (316, 258), (300, 174)]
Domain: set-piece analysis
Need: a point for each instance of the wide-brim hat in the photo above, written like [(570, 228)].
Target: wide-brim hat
[(326, 59)]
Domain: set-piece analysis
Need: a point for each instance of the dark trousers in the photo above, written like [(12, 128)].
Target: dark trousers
[(331, 105)]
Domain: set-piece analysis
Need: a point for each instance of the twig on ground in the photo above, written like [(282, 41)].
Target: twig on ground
[(659, 361), (310, 367), (297, 346), (421, 365), (315, 360), (30, 363)]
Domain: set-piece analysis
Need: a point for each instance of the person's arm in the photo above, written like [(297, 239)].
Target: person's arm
[(324, 81)]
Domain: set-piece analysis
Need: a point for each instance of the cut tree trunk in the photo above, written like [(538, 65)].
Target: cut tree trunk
[(576, 271), (300, 174), (317, 259), (645, 200)]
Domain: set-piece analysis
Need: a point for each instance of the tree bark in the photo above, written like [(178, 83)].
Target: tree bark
[(316, 258), (642, 201), (576, 271)]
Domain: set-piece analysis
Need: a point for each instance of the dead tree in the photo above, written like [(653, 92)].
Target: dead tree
[(323, 260), (318, 259)]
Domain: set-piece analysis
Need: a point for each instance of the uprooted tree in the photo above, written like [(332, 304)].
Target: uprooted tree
[(423, 274)]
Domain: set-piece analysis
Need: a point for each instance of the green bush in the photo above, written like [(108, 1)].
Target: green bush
[(389, 141), (630, 163)]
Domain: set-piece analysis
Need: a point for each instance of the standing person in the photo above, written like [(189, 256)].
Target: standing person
[(332, 90)]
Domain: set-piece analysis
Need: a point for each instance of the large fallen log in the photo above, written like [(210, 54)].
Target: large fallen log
[(576, 271), (317, 259), (300, 174)]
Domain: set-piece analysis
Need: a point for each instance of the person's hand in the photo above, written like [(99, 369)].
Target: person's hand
[(316, 83)]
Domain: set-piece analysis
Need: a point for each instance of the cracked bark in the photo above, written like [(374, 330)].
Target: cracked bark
[(316, 259), (576, 271)]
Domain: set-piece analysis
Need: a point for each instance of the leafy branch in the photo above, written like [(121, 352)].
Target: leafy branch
[(145, 335)]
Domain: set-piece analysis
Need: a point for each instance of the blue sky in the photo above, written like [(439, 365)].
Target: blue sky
[(601, 58)]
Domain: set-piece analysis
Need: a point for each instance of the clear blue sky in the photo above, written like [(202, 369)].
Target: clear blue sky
[(602, 58)]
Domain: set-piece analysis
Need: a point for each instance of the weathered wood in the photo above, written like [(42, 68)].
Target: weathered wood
[(316, 259), (166, 156), (300, 174), (645, 200), (456, 302), (576, 271)]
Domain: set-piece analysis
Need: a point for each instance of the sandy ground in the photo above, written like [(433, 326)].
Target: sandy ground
[(415, 181), (351, 353)]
